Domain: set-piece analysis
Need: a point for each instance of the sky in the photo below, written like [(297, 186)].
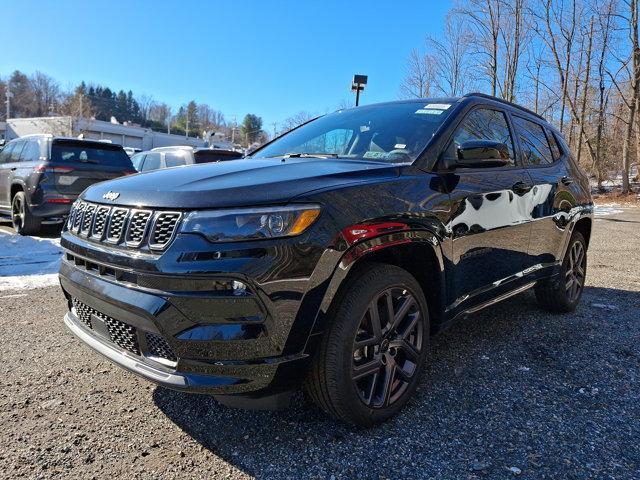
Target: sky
[(272, 59)]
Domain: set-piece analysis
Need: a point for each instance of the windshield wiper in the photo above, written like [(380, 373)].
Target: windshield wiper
[(306, 155)]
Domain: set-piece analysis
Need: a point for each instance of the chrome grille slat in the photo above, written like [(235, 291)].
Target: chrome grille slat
[(164, 228), (122, 226), (117, 221), (87, 219), (100, 222), (137, 228)]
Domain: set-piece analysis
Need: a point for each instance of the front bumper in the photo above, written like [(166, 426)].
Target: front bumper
[(236, 359)]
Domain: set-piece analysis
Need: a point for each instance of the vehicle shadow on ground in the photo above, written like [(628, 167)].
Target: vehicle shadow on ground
[(504, 387), (47, 231)]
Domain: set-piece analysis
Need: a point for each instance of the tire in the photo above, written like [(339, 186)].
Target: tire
[(22, 219), (389, 363), (561, 294)]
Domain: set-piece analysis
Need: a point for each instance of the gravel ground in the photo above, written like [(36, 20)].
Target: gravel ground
[(511, 391)]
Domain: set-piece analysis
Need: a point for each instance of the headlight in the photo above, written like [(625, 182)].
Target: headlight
[(252, 223)]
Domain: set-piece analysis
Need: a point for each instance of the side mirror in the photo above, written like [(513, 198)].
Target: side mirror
[(482, 153)]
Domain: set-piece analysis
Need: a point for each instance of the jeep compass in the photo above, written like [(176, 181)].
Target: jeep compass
[(328, 258)]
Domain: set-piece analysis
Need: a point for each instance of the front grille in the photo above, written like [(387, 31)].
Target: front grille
[(132, 228), (124, 335), (100, 222), (87, 219), (116, 224), (137, 227), (164, 229), (158, 347)]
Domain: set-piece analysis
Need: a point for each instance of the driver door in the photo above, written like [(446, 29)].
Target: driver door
[(490, 225)]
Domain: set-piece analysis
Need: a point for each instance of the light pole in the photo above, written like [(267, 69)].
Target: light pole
[(8, 94), (357, 85)]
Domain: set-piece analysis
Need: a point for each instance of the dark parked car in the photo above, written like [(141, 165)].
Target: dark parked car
[(41, 176), (330, 256), (165, 157)]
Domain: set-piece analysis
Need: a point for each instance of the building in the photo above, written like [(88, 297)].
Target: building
[(67, 126)]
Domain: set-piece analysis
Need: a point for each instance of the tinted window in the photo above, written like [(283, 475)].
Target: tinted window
[(6, 153), (137, 161), (17, 150), (533, 141), (205, 156), (30, 152), (555, 147), (485, 124), (152, 162), (90, 153), (175, 159)]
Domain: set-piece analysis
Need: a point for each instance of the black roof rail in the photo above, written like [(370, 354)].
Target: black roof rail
[(506, 102)]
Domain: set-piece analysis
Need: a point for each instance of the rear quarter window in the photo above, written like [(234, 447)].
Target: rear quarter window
[(105, 155), (534, 143)]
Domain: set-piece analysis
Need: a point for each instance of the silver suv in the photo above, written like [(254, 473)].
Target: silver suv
[(165, 157)]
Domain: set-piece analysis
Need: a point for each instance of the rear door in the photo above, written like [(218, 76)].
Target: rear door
[(489, 226), (552, 196), (79, 164)]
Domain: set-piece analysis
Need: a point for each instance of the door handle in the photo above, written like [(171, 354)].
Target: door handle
[(566, 181), (521, 188)]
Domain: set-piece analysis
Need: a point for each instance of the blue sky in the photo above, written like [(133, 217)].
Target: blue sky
[(269, 58)]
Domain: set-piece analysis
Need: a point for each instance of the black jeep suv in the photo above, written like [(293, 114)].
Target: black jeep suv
[(41, 176), (330, 256)]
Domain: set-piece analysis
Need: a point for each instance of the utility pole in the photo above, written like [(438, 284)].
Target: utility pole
[(233, 130), (274, 129), (187, 133), (8, 102), (81, 109)]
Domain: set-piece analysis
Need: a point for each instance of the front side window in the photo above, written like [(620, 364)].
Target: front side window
[(484, 124), (5, 154), (392, 133), (534, 142)]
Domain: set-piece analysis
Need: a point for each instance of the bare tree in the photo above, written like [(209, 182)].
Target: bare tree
[(451, 55), (296, 120), (161, 113), (145, 102), (419, 76)]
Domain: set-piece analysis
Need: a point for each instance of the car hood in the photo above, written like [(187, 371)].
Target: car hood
[(236, 183)]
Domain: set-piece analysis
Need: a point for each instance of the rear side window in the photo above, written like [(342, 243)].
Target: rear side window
[(30, 152), (175, 159), (206, 156), (152, 162), (15, 153), (90, 153), (485, 124), (534, 143)]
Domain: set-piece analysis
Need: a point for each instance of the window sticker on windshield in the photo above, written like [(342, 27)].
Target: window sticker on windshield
[(372, 154), (400, 146), (438, 106), (429, 111)]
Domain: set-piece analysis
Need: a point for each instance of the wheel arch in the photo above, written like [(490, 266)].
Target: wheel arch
[(417, 252), (584, 226)]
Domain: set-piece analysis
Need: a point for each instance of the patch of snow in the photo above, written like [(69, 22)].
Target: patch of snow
[(603, 209), (28, 262)]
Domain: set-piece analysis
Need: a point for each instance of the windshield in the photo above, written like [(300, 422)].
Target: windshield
[(395, 133)]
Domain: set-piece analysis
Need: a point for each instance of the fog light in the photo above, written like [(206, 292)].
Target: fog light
[(239, 288)]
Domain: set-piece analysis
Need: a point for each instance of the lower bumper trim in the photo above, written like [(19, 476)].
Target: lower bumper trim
[(123, 359)]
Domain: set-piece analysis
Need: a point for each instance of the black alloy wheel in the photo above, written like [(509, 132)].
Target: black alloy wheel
[(387, 346)]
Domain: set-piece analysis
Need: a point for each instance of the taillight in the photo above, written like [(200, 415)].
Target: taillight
[(59, 200), (46, 169)]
